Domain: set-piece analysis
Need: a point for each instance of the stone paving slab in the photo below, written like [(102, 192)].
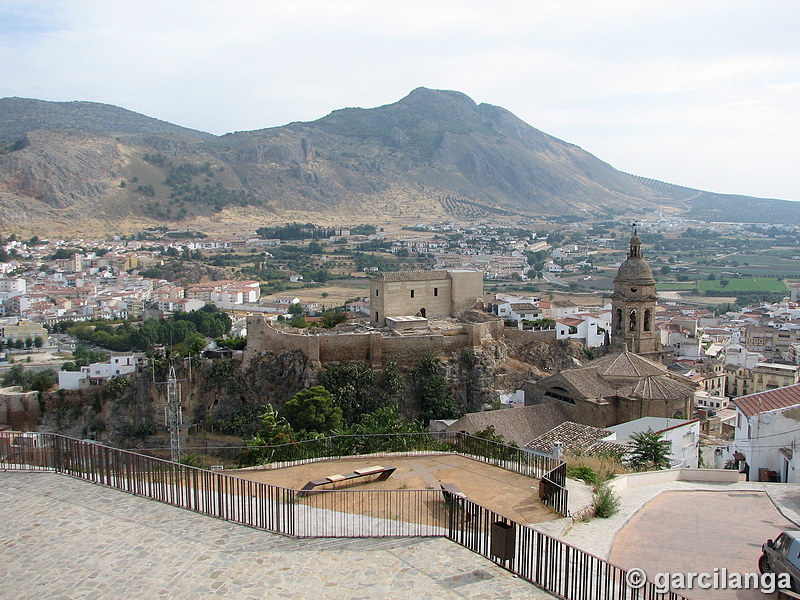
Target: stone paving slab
[(62, 538)]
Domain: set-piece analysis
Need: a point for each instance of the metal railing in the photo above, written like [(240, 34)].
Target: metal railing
[(553, 565), (550, 471), (548, 563)]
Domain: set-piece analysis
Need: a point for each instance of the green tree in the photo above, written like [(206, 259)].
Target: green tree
[(42, 381), (543, 324), (313, 409), (433, 396), (358, 390), (383, 421), (14, 376), (38, 342), (296, 309), (490, 435), (298, 321), (331, 319), (649, 451)]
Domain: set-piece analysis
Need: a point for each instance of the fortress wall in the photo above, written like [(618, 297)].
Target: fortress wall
[(408, 350), (480, 333), (344, 346), (372, 347), (261, 336)]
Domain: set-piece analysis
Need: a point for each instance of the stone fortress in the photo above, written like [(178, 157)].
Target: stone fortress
[(424, 294), (413, 313)]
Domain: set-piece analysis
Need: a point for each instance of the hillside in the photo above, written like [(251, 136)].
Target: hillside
[(83, 166), (18, 116)]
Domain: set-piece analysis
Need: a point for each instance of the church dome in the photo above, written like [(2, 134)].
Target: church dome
[(635, 269)]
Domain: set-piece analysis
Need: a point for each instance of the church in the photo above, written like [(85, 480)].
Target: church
[(631, 382)]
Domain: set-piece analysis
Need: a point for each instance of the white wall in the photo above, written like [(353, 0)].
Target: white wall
[(761, 437), (685, 441), (72, 380)]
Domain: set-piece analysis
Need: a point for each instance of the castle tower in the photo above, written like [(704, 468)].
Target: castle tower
[(633, 304)]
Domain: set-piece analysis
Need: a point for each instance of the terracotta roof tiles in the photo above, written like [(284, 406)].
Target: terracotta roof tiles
[(761, 402), (574, 437), (516, 425)]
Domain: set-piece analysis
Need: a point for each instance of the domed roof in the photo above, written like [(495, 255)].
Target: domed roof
[(635, 269)]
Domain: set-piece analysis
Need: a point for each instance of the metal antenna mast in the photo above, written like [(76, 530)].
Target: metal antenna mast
[(174, 415)]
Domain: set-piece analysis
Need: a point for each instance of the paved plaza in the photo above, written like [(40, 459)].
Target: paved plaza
[(62, 538)]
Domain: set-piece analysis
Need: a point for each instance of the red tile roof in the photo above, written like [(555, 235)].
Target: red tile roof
[(762, 402)]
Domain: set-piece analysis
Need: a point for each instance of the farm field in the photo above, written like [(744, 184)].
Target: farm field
[(337, 291), (760, 264), (749, 284), (753, 284)]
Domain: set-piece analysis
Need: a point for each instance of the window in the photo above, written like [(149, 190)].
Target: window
[(377, 292), (435, 291), (559, 394), (412, 293)]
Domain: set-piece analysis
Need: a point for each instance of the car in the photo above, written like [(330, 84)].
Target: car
[(782, 556)]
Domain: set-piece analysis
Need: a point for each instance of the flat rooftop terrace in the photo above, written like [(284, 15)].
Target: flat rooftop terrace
[(67, 538), (510, 494)]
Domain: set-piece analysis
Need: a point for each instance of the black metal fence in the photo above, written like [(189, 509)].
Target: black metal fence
[(552, 565), (548, 563)]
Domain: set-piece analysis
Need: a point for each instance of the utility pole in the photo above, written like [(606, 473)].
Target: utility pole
[(174, 415)]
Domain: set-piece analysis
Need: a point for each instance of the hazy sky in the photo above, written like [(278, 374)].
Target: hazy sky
[(698, 93)]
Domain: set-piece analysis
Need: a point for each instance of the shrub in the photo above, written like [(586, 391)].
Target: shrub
[(191, 459), (583, 472), (606, 502)]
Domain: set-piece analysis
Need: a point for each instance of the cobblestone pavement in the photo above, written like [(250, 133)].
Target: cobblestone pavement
[(61, 538)]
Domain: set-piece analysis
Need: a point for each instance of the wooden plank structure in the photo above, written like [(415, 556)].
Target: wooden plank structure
[(382, 473), (450, 490)]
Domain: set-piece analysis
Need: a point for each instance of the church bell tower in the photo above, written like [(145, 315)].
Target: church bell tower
[(633, 304)]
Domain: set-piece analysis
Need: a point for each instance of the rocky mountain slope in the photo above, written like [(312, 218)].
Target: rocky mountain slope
[(89, 167)]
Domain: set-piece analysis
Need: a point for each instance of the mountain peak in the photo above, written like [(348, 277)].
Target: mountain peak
[(423, 95)]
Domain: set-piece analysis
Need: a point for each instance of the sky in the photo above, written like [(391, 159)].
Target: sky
[(700, 93)]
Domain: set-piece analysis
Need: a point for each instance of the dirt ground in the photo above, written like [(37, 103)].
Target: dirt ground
[(512, 495)]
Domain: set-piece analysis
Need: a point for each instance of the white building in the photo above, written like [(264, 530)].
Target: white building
[(766, 434), (180, 305), (589, 329), (682, 434), (97, 373)]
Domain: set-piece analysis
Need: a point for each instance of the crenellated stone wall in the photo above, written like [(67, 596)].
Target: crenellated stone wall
[(374, 347)]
